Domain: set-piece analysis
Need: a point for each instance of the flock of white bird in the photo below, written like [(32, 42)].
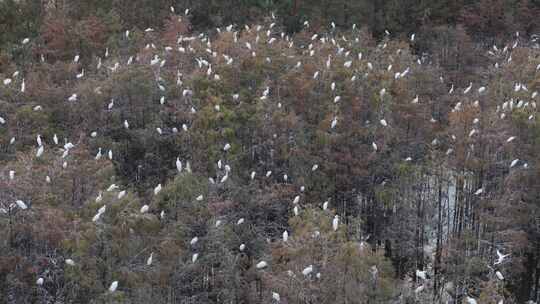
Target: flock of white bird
[(270, 36)]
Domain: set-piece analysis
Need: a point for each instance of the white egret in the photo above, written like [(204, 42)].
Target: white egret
[(334, 123), (471, 300), (114, 286), (514, 162), (39, 151), (144, 208), (308, 270), (98, 155), (335, 222), (21, 204), (325, 205), (468, 89), (500, 257), (121, 194), (157, 189)]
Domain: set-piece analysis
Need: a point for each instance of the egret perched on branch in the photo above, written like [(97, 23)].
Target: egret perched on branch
[(334, 123), (325, 205), (70, 262), (39, 151), (276, 296), (468, 89), (335, 222), (514, 162), (121, 194), (157, 189), (113, 286), (178, 165), (21, 204), (308, 270)]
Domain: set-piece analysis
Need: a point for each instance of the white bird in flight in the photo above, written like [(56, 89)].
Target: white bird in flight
[(500, 257)]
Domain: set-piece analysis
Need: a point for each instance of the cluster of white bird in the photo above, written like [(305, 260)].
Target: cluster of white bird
[(358, 64)]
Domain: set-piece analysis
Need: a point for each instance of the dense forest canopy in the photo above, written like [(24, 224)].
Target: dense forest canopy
[(263, 151)]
